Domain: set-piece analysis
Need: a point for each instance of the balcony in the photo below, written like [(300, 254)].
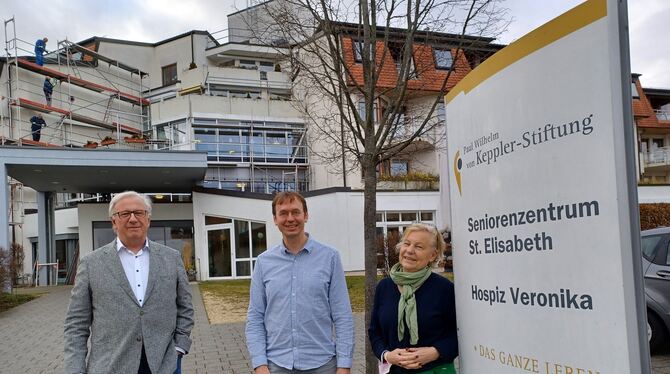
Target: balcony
[(662, 115), (410, 125), (410, 181), (658, 159)]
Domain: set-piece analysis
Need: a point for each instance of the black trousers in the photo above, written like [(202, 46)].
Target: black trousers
[(144, 364)]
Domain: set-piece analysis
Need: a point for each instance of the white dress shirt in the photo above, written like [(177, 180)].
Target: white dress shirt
[(136, 267)]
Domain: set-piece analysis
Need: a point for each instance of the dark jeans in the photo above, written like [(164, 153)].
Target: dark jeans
[(36, 130), (178, 371), (47, 95)]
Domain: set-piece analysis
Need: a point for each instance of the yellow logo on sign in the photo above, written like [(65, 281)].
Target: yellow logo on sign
[(458, 164)]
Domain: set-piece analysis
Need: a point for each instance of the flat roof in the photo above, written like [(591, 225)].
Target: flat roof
[(104, 171)]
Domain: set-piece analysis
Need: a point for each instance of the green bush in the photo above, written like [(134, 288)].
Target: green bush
[(410, 177)]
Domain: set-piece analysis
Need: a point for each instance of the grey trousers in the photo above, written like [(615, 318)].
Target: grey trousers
[(329, 368)]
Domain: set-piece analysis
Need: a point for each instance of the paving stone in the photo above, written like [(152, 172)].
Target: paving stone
[(32, 336)]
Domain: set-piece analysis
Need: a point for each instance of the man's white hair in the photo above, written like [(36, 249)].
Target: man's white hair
[(126, 194)]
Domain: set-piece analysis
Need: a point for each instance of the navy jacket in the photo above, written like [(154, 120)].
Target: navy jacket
[(436, 316), (37, 123), (48, 87)]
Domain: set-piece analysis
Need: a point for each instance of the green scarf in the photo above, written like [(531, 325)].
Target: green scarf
[(407, 304)]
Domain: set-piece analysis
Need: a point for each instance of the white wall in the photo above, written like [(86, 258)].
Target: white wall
[(334, 219), (65, 222), (411, 201), (229, 207), (653, 194), (337, 220)]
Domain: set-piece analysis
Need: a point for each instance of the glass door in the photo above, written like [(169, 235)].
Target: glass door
[(220, 242)]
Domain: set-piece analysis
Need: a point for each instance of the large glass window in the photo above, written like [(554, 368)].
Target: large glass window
[(275, 151)]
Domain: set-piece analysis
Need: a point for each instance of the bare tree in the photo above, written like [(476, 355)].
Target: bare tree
[(361, 68)]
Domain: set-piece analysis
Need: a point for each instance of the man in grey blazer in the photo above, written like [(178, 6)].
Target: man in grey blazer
[(132, 298)]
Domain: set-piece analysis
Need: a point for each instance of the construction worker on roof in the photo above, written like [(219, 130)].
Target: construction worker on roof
[(40, 49)]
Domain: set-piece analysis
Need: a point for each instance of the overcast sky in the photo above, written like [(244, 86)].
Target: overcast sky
[(155, 20)]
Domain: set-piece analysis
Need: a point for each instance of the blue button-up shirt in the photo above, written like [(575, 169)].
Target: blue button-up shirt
[(299, 311)]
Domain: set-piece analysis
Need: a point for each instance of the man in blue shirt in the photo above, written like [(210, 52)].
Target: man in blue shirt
[(40, 48), (298, 298)]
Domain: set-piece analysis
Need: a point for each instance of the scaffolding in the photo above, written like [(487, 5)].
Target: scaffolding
[(95, 98)]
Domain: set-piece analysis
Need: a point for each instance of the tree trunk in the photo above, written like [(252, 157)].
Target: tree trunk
[(370, 234)]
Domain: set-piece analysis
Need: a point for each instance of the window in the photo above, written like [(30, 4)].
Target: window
[(264, 75), (358, 51), (362, 112), (266, 66), (399, 167), (649, 244), (169, 74), (441, 110), (443, 59), (397, 51), (248, 64), (633, 89)]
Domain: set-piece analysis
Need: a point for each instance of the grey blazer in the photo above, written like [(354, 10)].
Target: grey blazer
[(103, 307)]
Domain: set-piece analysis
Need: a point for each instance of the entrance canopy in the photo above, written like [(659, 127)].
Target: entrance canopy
[(48, 170), (104, 171)]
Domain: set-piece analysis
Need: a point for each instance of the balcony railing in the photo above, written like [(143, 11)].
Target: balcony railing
[(656, 157), (663, 115), (410, 125)]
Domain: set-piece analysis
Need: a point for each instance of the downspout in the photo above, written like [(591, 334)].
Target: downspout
[(192, 65)]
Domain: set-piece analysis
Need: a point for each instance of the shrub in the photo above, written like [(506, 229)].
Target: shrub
[(410, 177), (654, 215), (4, 268), (16, 262)]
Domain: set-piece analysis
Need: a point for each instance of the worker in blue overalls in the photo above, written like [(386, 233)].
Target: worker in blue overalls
[(40, 49)]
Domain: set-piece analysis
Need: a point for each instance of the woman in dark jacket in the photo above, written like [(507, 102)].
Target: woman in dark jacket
[(413, 324)]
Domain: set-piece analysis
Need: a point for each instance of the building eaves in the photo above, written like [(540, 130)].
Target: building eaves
[(658, 92), (144, 44), (352, 29)]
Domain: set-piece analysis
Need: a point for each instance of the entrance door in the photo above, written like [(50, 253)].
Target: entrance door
[(220, 242)]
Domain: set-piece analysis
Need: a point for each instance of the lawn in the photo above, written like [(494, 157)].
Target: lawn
[(227, 301), (8, 301)]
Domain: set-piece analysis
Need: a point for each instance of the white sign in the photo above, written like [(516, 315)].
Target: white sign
[(541, 228)]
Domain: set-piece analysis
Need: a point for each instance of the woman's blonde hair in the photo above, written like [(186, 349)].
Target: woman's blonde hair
[(438, 240)]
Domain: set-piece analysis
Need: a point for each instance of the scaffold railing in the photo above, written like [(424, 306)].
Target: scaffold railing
[(89, 90)]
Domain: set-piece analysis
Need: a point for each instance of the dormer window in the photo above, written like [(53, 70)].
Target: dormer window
[(358, 51), (397, 53), (443, 59)]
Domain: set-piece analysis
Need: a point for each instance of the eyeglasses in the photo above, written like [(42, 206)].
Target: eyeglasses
[(139, 214)]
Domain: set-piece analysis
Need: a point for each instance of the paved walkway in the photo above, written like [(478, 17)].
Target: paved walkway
[(31, 340)]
